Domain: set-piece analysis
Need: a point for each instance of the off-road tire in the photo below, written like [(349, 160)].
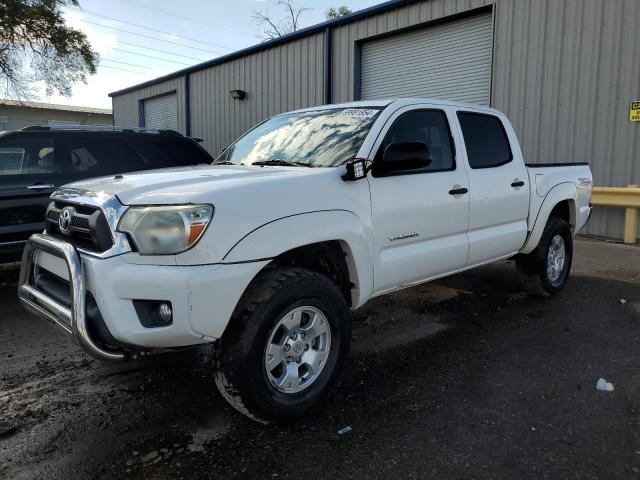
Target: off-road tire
[(532, 268), (239, 355)]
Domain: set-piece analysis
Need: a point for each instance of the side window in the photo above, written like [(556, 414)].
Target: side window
[(429, 127), (92, 156), (184, 152), (161, 153), (28, 155), (486, 141)]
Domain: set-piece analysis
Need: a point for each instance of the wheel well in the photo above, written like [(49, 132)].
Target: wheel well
[(564, 210), (327, 258)]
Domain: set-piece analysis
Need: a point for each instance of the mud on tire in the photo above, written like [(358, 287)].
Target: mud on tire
[(241, 371)]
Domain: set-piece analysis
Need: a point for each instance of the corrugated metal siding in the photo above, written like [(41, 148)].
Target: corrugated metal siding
[(125, 107), (448, 61), (282, 78), (565, 73)]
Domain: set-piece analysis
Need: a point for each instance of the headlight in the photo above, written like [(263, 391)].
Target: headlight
[(165, 230)]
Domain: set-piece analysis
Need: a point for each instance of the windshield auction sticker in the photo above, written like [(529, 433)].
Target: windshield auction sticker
[(634, 112), (359, 112)]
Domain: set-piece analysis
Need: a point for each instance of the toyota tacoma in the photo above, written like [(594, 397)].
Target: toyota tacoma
[(303, 219)]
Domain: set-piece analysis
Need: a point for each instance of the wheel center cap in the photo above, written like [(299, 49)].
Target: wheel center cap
[(298, 347)]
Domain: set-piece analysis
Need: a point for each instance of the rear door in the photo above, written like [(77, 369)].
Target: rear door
[(31, 167), (499, 191)]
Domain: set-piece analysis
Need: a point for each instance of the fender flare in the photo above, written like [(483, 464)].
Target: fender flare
[(283, 234), (559, 193)]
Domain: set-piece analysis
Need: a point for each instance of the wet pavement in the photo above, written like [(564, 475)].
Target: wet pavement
[(462, 378)]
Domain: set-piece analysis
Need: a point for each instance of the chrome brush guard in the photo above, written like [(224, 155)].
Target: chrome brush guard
[(72, 320)]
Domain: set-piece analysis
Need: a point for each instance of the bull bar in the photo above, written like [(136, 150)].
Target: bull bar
[(72, 320)]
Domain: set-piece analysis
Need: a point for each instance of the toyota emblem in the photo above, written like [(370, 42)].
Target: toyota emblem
[(64, 220)]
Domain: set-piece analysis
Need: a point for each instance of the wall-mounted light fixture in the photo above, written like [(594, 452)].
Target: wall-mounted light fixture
[(238, 94)]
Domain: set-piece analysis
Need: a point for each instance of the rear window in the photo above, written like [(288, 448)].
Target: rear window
[(485, 139), (160, 153)]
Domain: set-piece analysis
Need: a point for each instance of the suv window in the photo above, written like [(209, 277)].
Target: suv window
[(91, 156), (160, 153), (28, 155), (486, 141), (429, 127)]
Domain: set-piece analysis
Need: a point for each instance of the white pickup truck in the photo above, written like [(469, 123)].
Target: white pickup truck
[(307, 216)]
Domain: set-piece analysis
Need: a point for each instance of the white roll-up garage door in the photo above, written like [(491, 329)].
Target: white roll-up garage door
[(450, 61), (161, 112)]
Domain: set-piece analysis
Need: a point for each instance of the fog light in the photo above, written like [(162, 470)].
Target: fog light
[(154, 313), (165, 313)]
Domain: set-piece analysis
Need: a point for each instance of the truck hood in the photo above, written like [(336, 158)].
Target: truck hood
[(185, 184), (244, 198)]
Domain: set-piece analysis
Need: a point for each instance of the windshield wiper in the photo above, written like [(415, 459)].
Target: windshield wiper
[(280, 162), (223, 162)]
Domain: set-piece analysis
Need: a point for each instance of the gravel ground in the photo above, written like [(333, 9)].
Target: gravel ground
[(461, 378)]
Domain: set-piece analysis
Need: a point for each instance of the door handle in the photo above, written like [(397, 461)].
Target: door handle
[(458, 191), (517, 183), (40, 186)]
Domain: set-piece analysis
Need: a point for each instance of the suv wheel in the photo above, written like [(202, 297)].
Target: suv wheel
[(284, 346), (545, 271)]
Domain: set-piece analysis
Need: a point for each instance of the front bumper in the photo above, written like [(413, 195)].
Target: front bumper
[(203, 297)]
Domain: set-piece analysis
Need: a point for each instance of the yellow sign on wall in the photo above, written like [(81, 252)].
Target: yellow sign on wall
[(634, 112)]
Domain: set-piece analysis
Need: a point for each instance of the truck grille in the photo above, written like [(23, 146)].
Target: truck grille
[(85, 226)]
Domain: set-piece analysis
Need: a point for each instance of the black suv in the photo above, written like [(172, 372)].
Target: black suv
[(35, 161)]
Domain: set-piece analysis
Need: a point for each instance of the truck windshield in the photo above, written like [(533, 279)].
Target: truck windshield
[(318, 138)]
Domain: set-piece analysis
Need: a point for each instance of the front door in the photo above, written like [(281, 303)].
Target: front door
[(420, 217)]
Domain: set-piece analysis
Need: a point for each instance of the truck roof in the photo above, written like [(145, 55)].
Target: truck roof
[(398, 102)]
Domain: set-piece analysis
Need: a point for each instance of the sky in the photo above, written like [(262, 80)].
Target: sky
[(139, 40)]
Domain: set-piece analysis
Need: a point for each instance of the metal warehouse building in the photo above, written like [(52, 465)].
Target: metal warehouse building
[(564, 71)]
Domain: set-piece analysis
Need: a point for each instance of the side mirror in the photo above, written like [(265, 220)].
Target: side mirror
[(402, 156)]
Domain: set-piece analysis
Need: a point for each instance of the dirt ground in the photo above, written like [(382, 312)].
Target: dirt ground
[(461, 378)]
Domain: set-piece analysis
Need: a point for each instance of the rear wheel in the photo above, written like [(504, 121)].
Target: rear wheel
[(285, 345), (545, 271)]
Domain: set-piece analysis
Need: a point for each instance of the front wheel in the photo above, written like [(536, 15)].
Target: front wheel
[(545, 271), (285, 345)]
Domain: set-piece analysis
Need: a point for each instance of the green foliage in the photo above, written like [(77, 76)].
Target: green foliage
[(36, 45), (334, 12)]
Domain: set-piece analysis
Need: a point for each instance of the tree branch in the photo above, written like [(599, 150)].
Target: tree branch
[(277, 28), (37, 45)]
